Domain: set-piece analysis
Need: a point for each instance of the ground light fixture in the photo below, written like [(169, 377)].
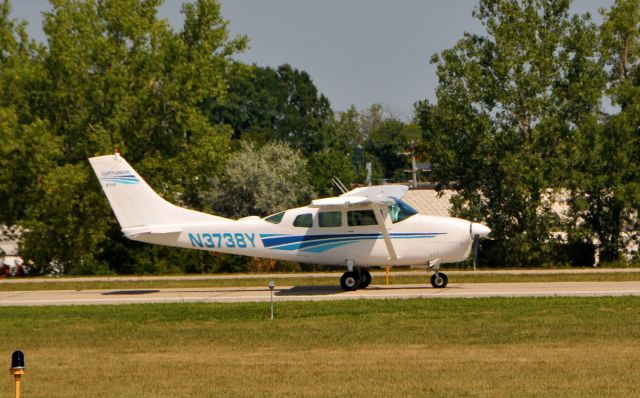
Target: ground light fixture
[(17, 369), (272, 285)]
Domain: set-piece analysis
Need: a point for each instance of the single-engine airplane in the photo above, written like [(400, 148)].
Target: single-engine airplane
[(365, 227)]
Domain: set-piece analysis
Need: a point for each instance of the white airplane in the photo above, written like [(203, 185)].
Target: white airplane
[(362, 228)]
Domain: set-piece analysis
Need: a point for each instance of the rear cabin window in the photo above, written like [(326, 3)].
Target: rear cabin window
[(303, 220), (361, 217), (276, 218), (330, 219)]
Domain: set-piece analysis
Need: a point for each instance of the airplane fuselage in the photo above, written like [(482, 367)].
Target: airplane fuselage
[(417, 239), (365, 227)]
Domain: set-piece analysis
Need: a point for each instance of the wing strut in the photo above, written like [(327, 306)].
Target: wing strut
[(385, 232)]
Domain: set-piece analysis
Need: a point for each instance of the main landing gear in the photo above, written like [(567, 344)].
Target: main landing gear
[(359, 278)]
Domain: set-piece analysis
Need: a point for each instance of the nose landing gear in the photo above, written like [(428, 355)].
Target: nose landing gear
[(439, 279)]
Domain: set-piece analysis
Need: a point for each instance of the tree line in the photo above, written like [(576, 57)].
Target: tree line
[(540, 109), (541, 112)]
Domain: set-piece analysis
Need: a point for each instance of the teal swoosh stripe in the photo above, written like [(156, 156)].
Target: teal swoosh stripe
[(325, 247), (303, 245), (123, 181)]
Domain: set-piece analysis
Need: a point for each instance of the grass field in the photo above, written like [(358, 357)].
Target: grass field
[(525, 347), (333, 280)]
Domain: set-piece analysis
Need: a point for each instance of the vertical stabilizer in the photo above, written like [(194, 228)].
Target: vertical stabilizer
[(133, 201)]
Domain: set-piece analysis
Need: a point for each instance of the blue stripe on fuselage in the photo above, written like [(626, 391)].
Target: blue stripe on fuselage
[(295, 242)]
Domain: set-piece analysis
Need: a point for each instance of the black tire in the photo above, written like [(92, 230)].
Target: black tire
[(349, 281), (439, 280), (365, 278)]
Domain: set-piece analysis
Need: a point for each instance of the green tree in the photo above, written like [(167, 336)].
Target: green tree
[(327, 164), (275, 104), (70, 214), (27, 154), (27, 150), (112, 75), (261, 181), (609, 193), (282, 104), (510, 104)]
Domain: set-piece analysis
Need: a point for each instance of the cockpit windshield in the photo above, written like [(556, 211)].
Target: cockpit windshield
[(400, 211)]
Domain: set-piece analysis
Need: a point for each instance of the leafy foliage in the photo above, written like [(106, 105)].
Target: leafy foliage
[(507, 115), (260, 181), (275, 104), (112, 76)]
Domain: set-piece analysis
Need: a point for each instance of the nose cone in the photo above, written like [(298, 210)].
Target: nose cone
[(481, 230)]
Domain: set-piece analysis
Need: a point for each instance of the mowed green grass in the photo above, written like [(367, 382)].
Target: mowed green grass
[(334, 280), (498, 347)]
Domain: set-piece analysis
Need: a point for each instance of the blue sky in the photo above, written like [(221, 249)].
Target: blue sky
[(358, 52)]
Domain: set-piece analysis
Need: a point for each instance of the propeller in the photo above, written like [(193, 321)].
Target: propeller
[(476, 241), (477, 231)]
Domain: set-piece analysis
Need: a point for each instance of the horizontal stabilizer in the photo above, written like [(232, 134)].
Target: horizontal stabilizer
[(152, 229)]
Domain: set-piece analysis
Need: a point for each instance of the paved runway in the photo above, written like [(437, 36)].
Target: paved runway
[(316, 293), (335, 275)]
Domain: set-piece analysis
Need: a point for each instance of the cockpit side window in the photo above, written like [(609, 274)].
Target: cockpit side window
[(361, 217), (275, 218), (303, 220), (400, 211), (330, 219)]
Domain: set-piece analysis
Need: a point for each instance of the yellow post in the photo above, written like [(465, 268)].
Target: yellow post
[(388, 269), (17, 374)]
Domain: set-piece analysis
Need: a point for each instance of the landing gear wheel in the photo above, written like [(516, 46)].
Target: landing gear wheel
[(350, 281), (439, 280), (365, 278)]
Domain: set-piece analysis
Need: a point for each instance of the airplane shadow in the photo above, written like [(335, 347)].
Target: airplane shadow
[(130, 292), (293, 291), (308, 291), (150, 291), (329, 290)]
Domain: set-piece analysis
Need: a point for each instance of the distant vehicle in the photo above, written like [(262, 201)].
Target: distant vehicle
[(12, 266), (363, 228)]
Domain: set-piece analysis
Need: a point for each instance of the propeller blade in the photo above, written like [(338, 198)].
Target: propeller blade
[(476, 240)]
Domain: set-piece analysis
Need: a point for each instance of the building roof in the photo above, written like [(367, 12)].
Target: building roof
[(427, 201), (8, 247)]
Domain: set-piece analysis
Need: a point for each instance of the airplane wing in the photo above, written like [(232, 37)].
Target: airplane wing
[(349, 201), (380, 194), (378, 191)]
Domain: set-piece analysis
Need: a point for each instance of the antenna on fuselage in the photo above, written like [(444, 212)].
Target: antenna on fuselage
[(339, 184)]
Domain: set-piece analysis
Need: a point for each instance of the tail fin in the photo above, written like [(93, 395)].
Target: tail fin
[(133, 201)]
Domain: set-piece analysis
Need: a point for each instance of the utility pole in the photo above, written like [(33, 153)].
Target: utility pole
[(414, 170)]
